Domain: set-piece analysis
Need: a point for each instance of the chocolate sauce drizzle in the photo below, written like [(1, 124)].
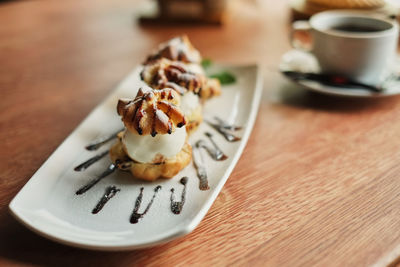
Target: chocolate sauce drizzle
[(111, 191), (101, 141), (179, 89), (201, 168), (83, 166), (135, 217), (219, 128), (176, 206), (89, 185), (226, 125), (180, 76), (215, 152), (175, 49), (160, 114)]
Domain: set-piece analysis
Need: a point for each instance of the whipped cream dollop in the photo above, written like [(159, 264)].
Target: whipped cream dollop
[(145, 148), (189, 102), (184, 46), (195, 68)]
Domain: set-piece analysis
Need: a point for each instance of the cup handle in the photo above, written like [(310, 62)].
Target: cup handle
[(304, 27)]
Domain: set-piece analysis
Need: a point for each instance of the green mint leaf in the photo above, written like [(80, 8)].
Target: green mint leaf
[(206, 63), (224, 77)]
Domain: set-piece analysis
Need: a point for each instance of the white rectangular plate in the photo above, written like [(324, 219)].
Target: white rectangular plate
[(47, 204)]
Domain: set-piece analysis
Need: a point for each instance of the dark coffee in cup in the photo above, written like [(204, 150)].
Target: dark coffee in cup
[(360, 25), (355, 28)]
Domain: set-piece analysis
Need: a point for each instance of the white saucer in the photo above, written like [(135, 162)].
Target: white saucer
[(296, 60)]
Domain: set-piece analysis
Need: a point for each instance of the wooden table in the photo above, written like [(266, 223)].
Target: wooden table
[(318, 183)]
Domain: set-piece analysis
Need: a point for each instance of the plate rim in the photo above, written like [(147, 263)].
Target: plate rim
[(16, 212)]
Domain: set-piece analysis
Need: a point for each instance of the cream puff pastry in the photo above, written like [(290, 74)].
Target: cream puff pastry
[(154, 144)]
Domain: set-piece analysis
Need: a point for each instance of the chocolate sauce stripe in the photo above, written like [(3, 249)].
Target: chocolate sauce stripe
[(226, 125), (86, 164), (136, 216), (177, 206), (111, 191), (200, 168), (94, 181), (228, 136), (215, 152), (102, 140)]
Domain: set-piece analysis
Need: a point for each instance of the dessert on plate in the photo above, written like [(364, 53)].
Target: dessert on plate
[(180, 50), (164, 73), (159, 119), (181, 77), (176, 64), (154, 143)]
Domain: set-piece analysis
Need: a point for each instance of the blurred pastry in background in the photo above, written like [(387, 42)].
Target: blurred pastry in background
[(177, 49), (187, 11), (348, 4), (303, 9)]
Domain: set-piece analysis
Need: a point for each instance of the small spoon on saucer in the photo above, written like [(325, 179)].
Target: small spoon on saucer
[(331, 80)]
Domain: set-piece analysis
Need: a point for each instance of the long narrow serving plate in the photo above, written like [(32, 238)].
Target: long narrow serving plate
[(48, 205)]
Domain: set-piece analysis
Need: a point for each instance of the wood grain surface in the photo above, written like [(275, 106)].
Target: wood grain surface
[(318, 183)]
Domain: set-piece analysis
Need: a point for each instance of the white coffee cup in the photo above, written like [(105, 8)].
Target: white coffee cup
[(350, 43)]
